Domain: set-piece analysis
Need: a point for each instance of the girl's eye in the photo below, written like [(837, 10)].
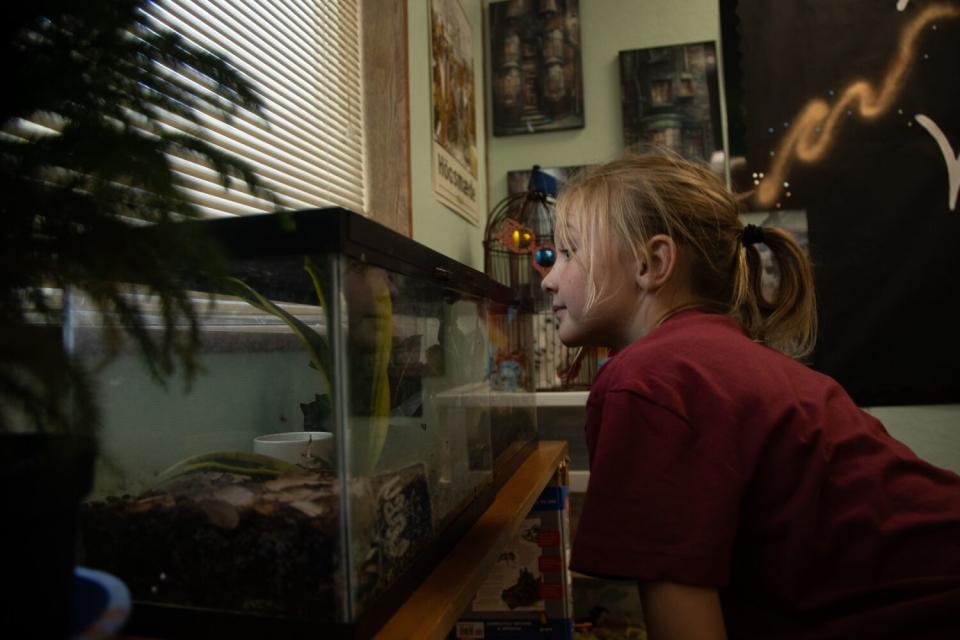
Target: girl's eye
[(566, 253)]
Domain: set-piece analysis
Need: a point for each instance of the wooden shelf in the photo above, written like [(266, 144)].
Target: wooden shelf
[(433, 609)]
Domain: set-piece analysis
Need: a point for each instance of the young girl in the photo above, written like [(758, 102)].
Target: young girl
[(746, 493)]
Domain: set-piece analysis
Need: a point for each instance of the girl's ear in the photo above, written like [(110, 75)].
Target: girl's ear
[(657, 263)]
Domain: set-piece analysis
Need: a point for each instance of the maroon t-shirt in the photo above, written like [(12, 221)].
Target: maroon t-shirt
[(716, 461)]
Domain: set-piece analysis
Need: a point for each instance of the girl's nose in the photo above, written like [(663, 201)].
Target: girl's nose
[(547, 283)]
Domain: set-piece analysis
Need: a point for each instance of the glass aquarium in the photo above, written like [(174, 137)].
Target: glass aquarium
[(359, 400)]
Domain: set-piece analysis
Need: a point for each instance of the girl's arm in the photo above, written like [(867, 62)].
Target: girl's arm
[(678, 612)]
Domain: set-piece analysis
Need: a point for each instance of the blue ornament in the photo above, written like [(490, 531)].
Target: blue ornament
[(545, 256)]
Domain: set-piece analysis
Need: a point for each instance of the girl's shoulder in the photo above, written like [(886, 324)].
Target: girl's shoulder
[(693, 336), (698, 358)]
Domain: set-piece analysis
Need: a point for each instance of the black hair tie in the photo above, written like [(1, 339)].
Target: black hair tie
[(752, 234)]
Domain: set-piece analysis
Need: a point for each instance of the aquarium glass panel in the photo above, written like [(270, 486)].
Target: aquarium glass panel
[(221, 492), (409, 343), (357, 399)]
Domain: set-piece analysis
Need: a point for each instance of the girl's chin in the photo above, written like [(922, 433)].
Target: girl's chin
[(569, 340)]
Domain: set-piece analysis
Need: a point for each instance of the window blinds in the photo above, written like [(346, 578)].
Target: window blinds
[(303, 59)]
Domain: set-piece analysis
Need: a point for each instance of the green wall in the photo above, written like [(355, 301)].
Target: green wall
[(607, 27)]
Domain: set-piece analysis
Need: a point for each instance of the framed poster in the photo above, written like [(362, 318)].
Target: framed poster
[(670, 98), (537, 77), (455, 176)]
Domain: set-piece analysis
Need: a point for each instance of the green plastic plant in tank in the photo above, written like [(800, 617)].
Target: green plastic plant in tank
[(316, 344), (370, 406), (368, 443), (91, 89)]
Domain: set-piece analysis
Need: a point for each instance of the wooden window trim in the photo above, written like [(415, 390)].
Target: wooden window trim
[(386, 114)]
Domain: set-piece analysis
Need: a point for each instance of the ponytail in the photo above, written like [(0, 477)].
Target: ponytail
[(788, 323), (627, 201)]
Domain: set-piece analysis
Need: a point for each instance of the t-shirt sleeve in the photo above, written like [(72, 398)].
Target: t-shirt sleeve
[(663, 498)]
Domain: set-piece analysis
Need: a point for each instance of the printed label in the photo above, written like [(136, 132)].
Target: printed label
[(551, 590), (469, 630), (548, 538), (550, 564)]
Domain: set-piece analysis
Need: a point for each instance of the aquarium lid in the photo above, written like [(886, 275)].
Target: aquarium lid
[(338, 230)]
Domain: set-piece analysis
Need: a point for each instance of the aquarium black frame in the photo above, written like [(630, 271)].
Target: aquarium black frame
[(313, 232), (339, 230)]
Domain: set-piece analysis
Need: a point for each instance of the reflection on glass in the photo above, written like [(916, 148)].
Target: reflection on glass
[(417, 389)]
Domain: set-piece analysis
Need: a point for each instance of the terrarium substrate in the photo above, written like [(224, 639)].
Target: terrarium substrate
[(231, 541)]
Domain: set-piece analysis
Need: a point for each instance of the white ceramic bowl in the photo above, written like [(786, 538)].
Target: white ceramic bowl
[(297, 447)]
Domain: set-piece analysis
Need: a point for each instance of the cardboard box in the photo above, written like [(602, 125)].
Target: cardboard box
[(526, 594)]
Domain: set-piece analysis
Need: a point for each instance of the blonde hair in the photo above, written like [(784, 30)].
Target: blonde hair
[(614, 208)]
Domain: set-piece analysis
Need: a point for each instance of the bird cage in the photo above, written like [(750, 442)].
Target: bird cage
[(519, 252)]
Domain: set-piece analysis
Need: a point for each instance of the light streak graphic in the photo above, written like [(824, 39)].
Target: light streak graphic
[(815, 128), (953, 164)]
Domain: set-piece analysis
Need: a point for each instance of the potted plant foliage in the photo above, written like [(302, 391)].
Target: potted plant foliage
[(91, 88)]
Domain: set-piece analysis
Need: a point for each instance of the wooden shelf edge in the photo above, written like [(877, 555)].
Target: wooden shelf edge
[(437, 604)]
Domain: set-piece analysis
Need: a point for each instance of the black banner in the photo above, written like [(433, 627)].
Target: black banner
[(851, 110)]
